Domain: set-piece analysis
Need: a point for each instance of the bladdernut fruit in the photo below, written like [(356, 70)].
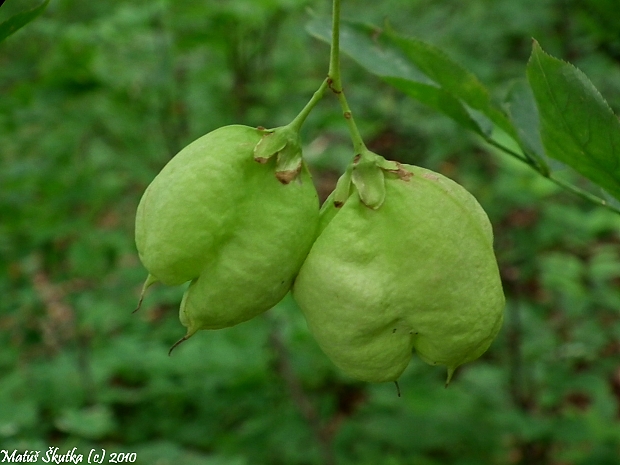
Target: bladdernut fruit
[(235, 213), (404, 261)]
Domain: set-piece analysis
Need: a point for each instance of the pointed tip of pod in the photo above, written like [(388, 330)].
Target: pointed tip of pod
[(190, 333), (150, 280), (397, 387), (451, 371)]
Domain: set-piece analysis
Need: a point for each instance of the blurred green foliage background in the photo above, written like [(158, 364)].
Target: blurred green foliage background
[(95, 97)]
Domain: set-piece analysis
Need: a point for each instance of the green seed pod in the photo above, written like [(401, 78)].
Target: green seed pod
[(404, 261), (235, 212)]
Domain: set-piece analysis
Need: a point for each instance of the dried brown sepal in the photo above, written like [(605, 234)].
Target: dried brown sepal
[(286, 177)]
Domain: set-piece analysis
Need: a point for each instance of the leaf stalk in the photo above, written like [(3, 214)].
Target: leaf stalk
[(335, 82)]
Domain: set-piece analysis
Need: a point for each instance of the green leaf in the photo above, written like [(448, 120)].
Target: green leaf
[(443, 101), (523, 114), (577, 125), (421, 71), (452, 77), (374, 52), (16, 22), (367, 45)]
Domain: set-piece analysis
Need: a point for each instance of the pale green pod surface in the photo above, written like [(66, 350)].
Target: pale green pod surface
[(218, 218), (188, 209), (256, 266), (419, 272)]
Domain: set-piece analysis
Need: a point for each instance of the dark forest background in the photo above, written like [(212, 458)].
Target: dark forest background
[(95, 97)]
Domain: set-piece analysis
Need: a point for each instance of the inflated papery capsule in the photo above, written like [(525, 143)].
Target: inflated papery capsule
[(235, 213), (404, 262)]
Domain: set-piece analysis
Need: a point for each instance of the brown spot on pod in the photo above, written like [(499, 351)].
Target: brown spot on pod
[(402, 173)]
